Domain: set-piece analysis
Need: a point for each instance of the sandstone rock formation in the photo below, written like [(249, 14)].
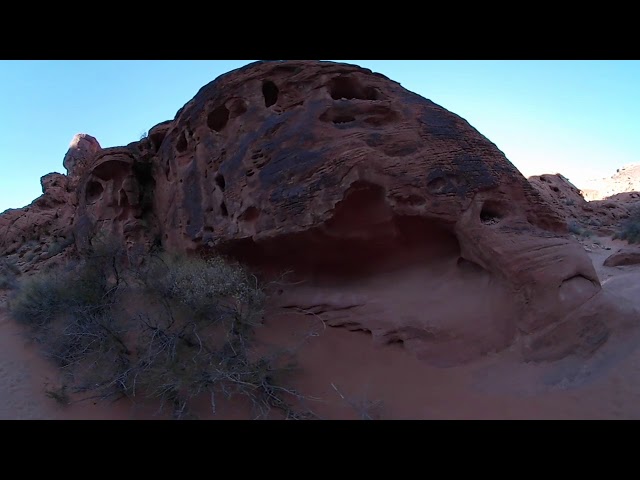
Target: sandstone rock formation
[(35, 236), (394, 215), (624, 256), (625, 181), (78, 158), (599, 216)]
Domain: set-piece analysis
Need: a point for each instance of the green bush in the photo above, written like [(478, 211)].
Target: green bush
[(192, 335)]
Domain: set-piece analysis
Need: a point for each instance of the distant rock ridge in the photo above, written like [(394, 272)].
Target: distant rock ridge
[(569, 202), (625, 183)]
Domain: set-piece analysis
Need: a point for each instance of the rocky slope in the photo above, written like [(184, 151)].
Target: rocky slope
[(393, 215), (571, 203), (624, 185)]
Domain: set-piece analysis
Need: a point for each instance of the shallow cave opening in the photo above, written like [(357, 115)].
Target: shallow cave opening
[(363, 237), (181, 144), (270, 93), (344, 119), (250, 214), (218, 118), (492, 212), (156, 140), (350, 88), (94, 190), (223, 209), (112, 169), (143, 171), (220, 181)]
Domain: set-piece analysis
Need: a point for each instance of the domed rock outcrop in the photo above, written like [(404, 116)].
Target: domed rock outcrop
[(394, 215)]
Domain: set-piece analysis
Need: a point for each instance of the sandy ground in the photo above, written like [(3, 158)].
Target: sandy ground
[(349, 377)]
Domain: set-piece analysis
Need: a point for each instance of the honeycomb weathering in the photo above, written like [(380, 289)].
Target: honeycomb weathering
[(395, 215)]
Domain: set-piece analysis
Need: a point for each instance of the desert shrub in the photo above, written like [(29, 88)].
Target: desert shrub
[(193, 333), (9, 272), (59, 246), (38, 301), (576, 229), (209, 290), (629, 228), (80, 288), (200, 337)]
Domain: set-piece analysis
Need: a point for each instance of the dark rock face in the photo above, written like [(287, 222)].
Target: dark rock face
[(394, 215)]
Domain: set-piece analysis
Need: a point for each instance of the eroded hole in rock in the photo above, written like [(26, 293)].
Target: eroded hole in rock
[(143, 173), (218, 118), (94, 190), (223, 209), (363, 237), (413, 200), (156, 140), (250, 214), (492, 212), (350, 88), (112, 169), (436, 185), (344, 119), (367, 247), (270, 93), (181, 144), (338, 115), (220, 181), (363, 206)]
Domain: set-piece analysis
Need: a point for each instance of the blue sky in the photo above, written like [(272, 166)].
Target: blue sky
[(579, 118)]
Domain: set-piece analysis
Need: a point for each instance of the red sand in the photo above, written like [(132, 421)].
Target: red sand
[(353, 378)]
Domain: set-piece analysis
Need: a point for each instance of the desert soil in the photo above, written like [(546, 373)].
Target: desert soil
[(348, 377)]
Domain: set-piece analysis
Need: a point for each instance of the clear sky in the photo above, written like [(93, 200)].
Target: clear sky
[(579, 118)]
